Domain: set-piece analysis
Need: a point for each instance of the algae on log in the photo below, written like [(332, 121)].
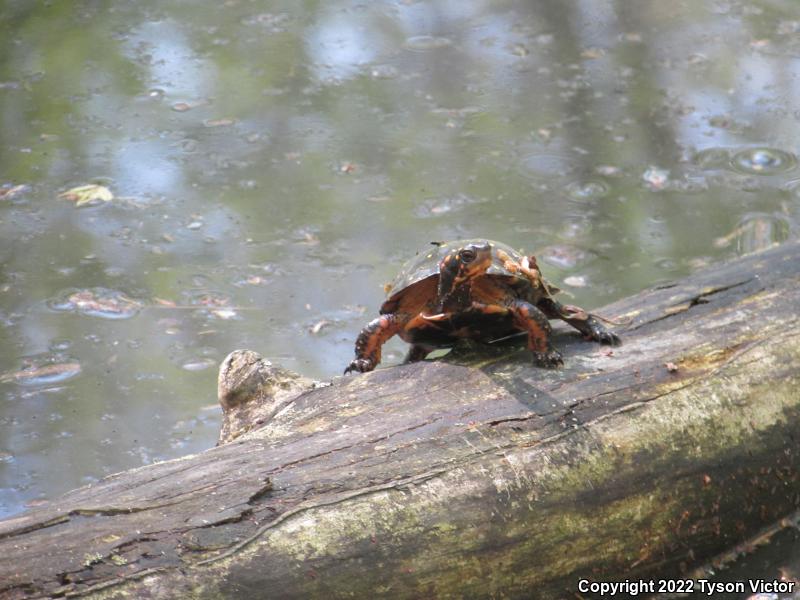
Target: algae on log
[(488, 478)]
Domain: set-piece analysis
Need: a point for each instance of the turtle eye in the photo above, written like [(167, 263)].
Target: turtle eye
[(467, 256)]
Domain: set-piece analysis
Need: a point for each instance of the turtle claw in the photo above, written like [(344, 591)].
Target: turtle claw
[(549, 359), (362, 365), (606, 337), (599, 333)]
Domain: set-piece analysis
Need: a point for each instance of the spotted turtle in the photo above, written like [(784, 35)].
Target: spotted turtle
[(477, 289)]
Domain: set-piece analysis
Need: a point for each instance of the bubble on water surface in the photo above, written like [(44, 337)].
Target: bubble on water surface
[(587, 190), (762, 161)]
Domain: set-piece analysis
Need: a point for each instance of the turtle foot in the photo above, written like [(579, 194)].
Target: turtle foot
[(599, 333), (549, 359), (362, 365)]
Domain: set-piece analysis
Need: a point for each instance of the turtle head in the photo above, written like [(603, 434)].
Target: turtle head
[(460, 266)]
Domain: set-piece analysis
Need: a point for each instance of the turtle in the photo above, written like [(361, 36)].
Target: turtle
[(477, 289)]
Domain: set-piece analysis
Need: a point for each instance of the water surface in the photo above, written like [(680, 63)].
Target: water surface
[(273, 163)]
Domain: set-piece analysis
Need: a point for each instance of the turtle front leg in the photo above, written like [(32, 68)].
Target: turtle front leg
[(581, 320), (530, 319), (370, 340)]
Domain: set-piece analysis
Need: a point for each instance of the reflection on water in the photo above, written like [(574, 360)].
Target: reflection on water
[(272, 163)]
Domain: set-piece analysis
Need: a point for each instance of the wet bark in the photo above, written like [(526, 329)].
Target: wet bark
[(480, 476)]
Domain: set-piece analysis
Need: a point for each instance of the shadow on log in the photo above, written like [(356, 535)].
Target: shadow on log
[(487, 478)]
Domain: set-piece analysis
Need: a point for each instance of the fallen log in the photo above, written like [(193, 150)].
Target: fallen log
[(475, 476)]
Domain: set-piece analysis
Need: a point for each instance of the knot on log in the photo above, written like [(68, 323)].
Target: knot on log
[(251, 390)]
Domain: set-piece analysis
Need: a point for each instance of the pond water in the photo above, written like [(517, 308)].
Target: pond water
[(260, 169)]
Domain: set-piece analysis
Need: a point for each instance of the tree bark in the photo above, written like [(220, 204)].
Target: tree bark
[(475, 476)]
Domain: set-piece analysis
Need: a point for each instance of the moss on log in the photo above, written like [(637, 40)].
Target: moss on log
[(478, 476)]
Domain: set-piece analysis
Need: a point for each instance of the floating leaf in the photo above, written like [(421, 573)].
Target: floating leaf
[(42, 374), (96, 302), (83, 194)]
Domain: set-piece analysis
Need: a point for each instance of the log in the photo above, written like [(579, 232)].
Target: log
[(475, 476)]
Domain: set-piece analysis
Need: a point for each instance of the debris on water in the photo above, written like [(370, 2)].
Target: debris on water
[(200, 364), (317, 327), (608, 170), (186, 106), (43, 369), (96, 302), (85, 194), (656, 178), (307, 238), (422, 43), (520, 50), (593, 53), (224, 122), (217, 304), (576, 281), (8, 190)]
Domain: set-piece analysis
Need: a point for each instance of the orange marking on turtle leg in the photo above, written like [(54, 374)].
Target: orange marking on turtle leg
[(529, 318), (370, 340), (375, 335)]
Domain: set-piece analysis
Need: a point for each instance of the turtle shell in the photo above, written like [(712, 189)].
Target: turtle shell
[(422, 271)]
